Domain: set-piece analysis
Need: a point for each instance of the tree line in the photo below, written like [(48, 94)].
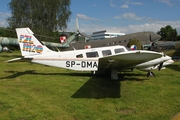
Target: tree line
[(168, 33)]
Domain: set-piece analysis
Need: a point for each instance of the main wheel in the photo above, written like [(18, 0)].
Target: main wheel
[(150, 74)]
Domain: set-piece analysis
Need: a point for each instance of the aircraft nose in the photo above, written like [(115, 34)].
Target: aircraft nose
[(167, 58)]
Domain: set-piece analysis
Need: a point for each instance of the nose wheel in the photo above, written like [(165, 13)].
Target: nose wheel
[(150, 74)]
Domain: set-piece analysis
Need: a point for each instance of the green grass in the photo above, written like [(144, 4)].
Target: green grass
[(36, 92)]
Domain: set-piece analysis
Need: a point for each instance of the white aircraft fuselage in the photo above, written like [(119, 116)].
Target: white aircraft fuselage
[(80, 61)]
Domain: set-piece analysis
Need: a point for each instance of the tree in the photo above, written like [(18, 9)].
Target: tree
[(178, 37), (42, 16), (4, 32), (168, 33)]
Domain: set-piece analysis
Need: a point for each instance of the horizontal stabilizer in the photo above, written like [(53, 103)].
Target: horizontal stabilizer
[(13, 60), (17, 59)]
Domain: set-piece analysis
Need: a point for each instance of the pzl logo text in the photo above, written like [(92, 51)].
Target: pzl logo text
[(28, 44)]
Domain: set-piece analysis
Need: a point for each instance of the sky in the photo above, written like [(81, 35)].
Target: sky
[(125, 16)]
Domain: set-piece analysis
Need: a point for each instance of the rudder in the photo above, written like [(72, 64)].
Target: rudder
[(29, 45)]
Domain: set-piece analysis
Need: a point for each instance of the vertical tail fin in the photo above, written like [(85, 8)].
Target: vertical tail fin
[(29, 45)]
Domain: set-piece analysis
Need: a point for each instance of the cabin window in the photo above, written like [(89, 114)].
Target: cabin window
[(92, 54), (119, 41), (106, 52), (79, 56), (119, 50)]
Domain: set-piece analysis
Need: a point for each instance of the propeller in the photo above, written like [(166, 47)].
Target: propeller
[(160, 66), (85, 35), (77, 25), (79, 33)]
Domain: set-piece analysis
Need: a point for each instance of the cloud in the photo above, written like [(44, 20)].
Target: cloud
[(134, 17), (129, 16), (156, 26), (131, 28), (168, 2), (84, 17), (112, 3), (135, 3), (3, 17), (5, 14), (94, 5), (3, 23), (125, 6)]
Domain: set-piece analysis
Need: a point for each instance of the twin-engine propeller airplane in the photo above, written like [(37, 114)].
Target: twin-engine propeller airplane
[(112, 58)]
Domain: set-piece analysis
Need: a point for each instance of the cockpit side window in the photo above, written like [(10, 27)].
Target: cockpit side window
[(92, 54), (119, 50), (106, 52), (79, 56)]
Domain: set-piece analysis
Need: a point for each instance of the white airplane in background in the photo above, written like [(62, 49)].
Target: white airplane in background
[(112, 58)]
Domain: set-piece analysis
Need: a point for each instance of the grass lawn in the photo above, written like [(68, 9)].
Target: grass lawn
[(37, 92)]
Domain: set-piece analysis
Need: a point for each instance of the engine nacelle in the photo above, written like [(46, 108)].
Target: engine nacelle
[(149, 68)]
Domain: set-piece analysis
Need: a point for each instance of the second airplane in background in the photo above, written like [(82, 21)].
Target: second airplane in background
[(145, 38)]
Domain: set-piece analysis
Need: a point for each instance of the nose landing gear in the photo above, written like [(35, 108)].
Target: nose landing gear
[(150, 74)]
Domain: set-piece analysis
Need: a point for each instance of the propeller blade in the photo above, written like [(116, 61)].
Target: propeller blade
[(85, 35), (77, 25), (160, 66)]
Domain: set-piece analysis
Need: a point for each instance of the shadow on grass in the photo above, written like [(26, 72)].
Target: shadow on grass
[(174, 67), (17, 74), (103, 87), (33, 72), (96, 87), (122, 77)]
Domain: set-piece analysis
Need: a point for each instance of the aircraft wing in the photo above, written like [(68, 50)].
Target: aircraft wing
[(126, 60)]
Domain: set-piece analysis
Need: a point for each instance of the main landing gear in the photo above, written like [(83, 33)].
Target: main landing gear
[(150, 74)]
